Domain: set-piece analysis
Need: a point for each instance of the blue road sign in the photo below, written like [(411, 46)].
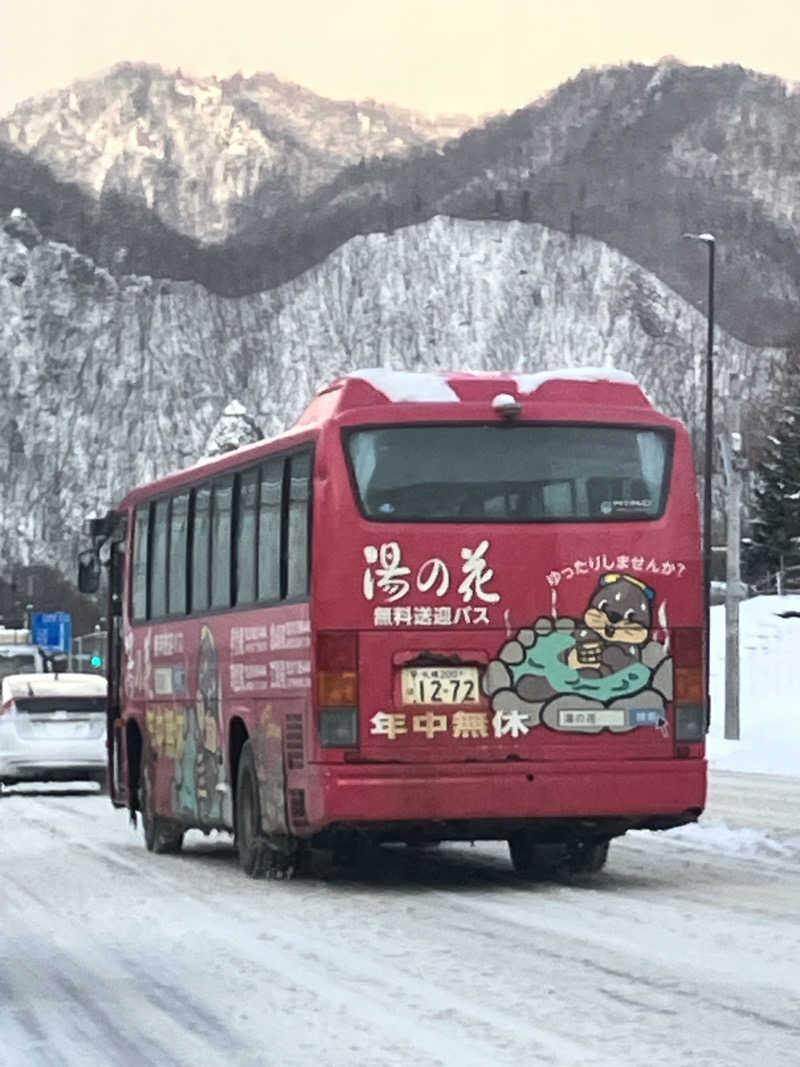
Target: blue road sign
[(53, 629)]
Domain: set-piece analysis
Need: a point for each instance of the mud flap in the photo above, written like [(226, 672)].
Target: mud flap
[(268, 750)]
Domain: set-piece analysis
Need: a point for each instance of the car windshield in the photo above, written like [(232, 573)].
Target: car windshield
[(16, 663), (521, 473)]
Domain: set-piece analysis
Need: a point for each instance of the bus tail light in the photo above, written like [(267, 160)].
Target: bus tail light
[(690, 695), (689, 685), (337, 688)]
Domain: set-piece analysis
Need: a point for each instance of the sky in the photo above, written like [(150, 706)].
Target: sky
[(470, 57)]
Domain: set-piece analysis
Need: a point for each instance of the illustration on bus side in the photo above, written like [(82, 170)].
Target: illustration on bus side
[(199, 771), (611, 670)]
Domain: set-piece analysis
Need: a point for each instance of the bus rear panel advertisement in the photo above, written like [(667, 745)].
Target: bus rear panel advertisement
[(450, 607)]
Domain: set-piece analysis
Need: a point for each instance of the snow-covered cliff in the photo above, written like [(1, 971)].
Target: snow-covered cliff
[(109, 382), (200, 152)]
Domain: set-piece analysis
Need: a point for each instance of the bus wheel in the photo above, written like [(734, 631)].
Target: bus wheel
[(587, 856), (254, 852), (160, 835), (535, 860)]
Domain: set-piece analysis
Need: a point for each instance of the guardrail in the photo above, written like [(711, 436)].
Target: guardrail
[(780, 582)]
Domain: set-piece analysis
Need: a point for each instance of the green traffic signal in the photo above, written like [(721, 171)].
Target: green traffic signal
[(96, 661)]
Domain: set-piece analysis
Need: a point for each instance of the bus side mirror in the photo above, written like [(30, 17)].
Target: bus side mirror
[(88, 572)]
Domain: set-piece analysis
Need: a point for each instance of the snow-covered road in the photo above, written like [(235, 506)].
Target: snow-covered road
[(685, 950)]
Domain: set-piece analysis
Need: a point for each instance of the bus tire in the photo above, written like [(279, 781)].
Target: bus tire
[(160, 835), (253, 851), (563, 861), (587, 857), (535, 860)]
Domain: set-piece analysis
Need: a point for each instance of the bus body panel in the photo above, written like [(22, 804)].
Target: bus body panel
[(474, 601), (191, 685), (459, 595), (637, 795)]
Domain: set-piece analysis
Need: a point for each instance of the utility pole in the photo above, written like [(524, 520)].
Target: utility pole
[(709, 241), (731, 447)]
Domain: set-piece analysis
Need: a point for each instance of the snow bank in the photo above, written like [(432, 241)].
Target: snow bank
[(769, 654), (743, 841)]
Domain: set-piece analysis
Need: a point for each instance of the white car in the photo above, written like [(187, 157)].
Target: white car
[(52, 728), (20, 658)]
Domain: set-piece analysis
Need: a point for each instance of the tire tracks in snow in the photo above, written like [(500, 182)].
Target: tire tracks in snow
[(408, 1010), (553, 974)]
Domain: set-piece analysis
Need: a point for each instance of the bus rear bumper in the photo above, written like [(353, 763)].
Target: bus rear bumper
[(647, 794)]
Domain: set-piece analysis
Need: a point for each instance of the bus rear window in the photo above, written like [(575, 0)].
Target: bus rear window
[(522, 473)]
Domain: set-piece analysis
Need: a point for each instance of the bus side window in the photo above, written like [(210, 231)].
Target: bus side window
[(140, 556), (159, 537), (298, 526), (178, 530), (269, 530), (201, 533), (246, 527), (221, 514)]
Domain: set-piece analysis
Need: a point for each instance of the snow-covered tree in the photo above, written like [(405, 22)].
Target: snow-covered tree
[(775, 538), (232, 429)]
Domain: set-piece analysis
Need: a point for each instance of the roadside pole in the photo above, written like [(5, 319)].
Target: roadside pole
[(731, 453)]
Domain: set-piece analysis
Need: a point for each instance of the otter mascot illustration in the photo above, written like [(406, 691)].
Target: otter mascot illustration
[(200, 770), (618, 621), (605, 661)]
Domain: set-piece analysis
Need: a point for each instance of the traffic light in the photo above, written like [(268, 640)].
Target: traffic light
[(96, 661)]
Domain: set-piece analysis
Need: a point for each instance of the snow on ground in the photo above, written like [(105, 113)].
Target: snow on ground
[(684, 949), (745, 841), (769, 653), (769, 742), (435, 958)]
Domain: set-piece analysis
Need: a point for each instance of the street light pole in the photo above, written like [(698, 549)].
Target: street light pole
[(709, 241)]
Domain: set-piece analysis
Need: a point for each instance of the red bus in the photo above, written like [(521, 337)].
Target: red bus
[(439, 608)]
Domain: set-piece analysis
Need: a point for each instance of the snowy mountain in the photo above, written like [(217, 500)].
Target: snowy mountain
[(360, 235), (111, 381), (144, 169), (202, 153), (634, 156)]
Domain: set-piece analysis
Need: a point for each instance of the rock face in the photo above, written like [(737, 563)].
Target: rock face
[(245, 183), (233, 429), (313, 237), (113, 381), (206, 154)]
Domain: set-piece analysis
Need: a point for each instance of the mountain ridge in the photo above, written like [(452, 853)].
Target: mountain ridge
[(633, 156), (114, 381), (550, 236), (191, 149)]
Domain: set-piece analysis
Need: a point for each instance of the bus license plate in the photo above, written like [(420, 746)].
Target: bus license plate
[(440, 685)]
